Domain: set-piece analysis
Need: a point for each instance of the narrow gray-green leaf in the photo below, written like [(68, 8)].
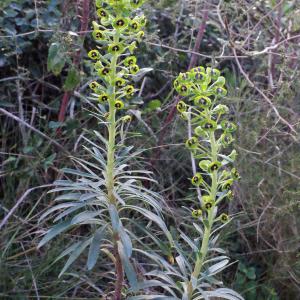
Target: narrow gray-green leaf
[(114, 217), (129, 270), (54, 231), (95, 247), (74, 255), (57, 207), (84, 217)]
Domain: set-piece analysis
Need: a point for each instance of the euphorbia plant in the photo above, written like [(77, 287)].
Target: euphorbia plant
[(106, 190), (190, 274), (212, 136)]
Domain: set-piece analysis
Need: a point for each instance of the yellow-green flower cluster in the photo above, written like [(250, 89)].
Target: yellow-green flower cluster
[(117, 34), (201, 89)]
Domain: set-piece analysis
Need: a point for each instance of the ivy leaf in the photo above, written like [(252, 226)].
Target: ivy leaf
[(56, 59), (153, 105), (72, 79)]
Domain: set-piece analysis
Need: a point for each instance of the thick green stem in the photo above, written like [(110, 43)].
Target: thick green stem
[(111, 134), (110, 171), (111, 153), (210, 220)]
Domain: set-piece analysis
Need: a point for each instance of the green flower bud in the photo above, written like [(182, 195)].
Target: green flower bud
[(226, 139), (199, 131), (209, 125), (104, 72), (94, 54), (129, 90), (119, 104), (235, 174), (227, 185), (176, 83), (197, 213), (127, 119), (116, 48), (120, 23), (98, 35), (230, 195), (197, 179), (220, 82), (203, 164), (184, 115), (120, 82), (214, 166), (220, 92), (98, 65), (228, 126), (192, 143), (143, 20), (99, 3), (183, 77), (103, 15), (208, 202), (225, 174), (183, 89), (224, 218), (206, 198), (233, 155), (199, 77), (181, 106), (221, 109), (134, 69), (129, 61), (95, 25), (136, 3), (103, 98), (214, 73), (140, 35), (94, 85), (116, 3), (198, 70), (132, 47), (135, 25), (202, 101)]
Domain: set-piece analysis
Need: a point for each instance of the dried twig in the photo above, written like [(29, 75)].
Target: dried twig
[(18, 203), (192, 63), (76, 59), (266, 98), (33, 129)]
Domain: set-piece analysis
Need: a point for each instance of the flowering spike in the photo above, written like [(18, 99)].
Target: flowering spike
[(204, 87)]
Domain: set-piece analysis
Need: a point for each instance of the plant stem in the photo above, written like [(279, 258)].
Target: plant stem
[(119, 274), (110, 173), (210, 220), (111, 153)]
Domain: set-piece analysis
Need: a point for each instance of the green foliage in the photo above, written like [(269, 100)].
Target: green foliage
[(246, 282), (203, 88), (72, 80), (264, 236), (104, 191), (56, 58)]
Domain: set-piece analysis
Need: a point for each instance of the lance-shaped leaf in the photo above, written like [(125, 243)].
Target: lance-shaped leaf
[(54, 231), (95, 247)]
